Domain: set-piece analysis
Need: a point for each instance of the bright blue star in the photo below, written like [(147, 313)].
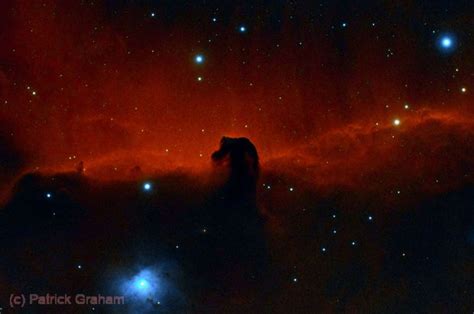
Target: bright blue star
[(48, 195), (447, 43), (242, 29), (199, 59), (147, 186)]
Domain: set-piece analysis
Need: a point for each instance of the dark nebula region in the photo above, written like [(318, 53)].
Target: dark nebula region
[(237, 156)]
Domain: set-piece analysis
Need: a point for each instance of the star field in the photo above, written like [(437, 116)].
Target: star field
[(361, 114)]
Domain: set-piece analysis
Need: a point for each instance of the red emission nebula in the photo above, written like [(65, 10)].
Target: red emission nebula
[(119, 90)]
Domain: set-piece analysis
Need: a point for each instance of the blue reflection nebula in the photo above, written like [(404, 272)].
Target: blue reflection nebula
[(148, 289), (143, 285)]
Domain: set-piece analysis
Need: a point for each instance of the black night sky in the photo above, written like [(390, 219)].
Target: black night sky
[(237, 156)]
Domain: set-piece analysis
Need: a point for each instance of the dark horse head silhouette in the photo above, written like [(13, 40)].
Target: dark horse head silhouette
[(239, 159), (236, 221)]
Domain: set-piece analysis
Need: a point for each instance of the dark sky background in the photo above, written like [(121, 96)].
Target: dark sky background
[(357, 109)]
